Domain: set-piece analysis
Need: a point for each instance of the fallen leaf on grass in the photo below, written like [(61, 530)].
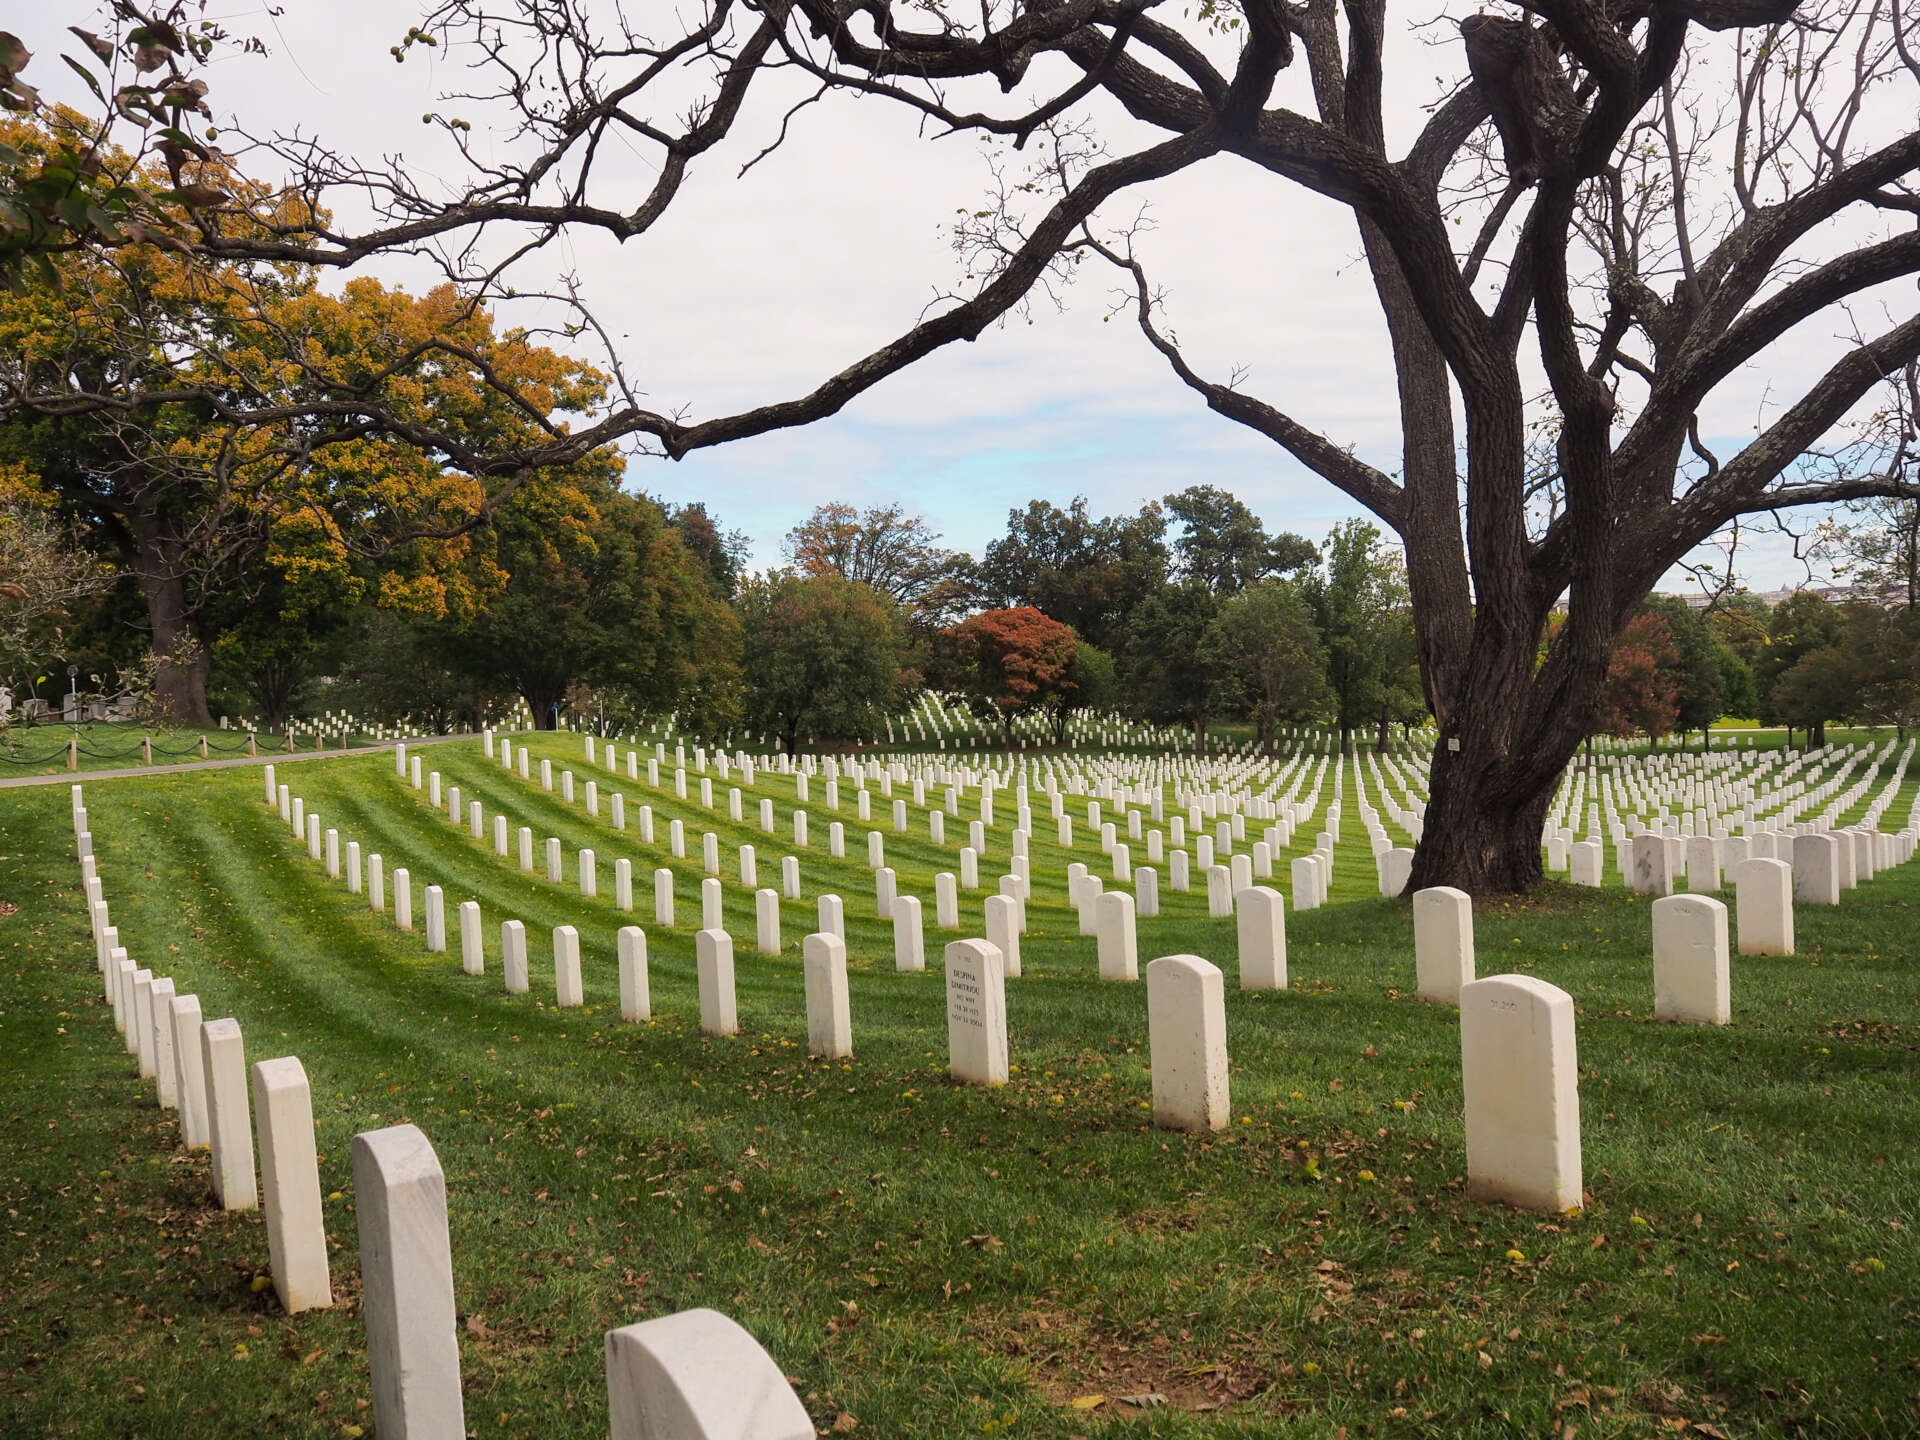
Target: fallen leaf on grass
[(1145, 1401), (1087, 1402)]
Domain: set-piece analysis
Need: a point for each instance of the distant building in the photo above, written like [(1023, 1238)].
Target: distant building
[(1832, 594)]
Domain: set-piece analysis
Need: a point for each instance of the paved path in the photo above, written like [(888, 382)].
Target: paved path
[(277, 757)]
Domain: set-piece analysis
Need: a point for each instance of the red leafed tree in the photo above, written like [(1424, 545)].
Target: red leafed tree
[(1641, 694), (1013, 661)]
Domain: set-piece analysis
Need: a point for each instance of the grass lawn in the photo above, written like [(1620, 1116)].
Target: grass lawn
[(928, 1260)]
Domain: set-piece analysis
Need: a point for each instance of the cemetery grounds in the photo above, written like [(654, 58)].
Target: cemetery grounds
[(926, 1259)]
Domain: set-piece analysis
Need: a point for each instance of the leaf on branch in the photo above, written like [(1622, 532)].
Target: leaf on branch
[(102, 51), (86, 75)]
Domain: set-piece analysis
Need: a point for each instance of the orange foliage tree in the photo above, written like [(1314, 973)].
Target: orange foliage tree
[(1641, 695), (1012, 661)]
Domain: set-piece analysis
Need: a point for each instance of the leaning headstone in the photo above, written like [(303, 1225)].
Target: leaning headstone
[(1146, 892), (1703, 864), (1588, 863), (1396, 868), (713, 952), (436, 919), (402, 899), (1520, 1075), (976, 1013), (513, 956), (472, 952), (406, 1275), (140, 1034), (1003, 932), (190, 1076), (1816, 869), (1118, 943), (290, 1185), (697, 1375), (1187, 1041), (909, 948), (1763, 900), (1219, 891), (160, 1011), (1690, 972), (636, 996), (566, 967), (1305, 876), (1262, 927), (1443, 942), (829, 1016), (223, 1064), (766, 914), (1652, 865)]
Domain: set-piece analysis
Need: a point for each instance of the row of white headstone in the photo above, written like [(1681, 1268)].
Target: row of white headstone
[(199, 1070), (1691, 971), (1186, 1015), (1311, 874), (695, 1375)]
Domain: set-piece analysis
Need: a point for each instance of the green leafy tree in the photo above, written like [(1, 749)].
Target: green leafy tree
[(1267, 651), (1821, 686), (821, 656), (1740, 622), (1738, 694), (404, 665), (1361, 607), (1884, 644), (1799, 625), (599, 591), (1091, 683), (1224, 546), (1171, 676), (295, 622), (896, 553), (1084, 571), (1697, 680), (722, 552)]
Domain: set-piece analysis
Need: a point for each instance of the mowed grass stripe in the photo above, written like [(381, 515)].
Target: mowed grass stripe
[(1147, 1256)]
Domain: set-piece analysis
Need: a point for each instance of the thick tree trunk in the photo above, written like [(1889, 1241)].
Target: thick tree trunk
[(1477, 839), (1816, 735), (1380, 740), (180, 680), (545, 717)]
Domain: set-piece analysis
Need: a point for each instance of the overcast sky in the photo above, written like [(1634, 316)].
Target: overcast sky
[(754, 289)]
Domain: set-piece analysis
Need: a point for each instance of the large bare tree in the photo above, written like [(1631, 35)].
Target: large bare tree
[(1655, 193)]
